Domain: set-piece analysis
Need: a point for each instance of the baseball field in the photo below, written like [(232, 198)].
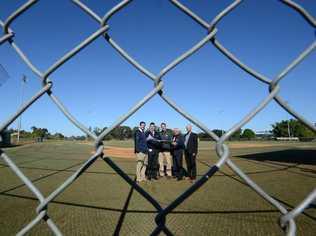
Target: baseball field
[(100, 202)]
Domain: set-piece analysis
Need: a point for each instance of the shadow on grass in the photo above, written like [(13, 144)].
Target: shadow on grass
[(10, 145), (43, 177), (297, 156), (125, 210)]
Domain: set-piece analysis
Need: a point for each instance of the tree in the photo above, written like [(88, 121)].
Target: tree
[(82, 137), (134, 129), (125, 132), (57, 136), (39, 132), (97, 130), (248, 134), (204, 136), (218, 132), (108, 136), (236, 135), (292, 127), (300, 130), (122, 132), (116, 133)]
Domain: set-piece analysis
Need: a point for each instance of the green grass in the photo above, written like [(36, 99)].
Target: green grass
[(94, 203)]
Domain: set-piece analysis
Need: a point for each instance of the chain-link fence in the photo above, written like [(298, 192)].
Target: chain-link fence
[(4, 76), (287, 219)]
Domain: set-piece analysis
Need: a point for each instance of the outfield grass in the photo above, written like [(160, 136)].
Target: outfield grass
[(101, 203)]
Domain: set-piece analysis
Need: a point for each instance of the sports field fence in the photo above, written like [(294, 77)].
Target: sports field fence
[(287, 219)]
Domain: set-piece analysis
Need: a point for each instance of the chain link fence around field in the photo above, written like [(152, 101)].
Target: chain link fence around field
[(286, 220)]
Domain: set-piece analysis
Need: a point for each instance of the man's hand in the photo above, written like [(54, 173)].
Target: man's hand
[(193, 154), (174, 143)]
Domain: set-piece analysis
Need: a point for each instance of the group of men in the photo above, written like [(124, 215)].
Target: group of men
[(159, 153)]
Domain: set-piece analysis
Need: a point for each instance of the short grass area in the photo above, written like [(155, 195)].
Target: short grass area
[(100, 202)]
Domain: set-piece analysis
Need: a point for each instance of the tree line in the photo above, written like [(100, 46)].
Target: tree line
[(36, 133), (284, 128), (247, 134)]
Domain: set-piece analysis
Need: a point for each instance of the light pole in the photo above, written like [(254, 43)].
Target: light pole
[(288, 128), (22, 95), (4, 75), (288, 123)]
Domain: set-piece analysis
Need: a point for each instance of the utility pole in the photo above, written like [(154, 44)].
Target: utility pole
[(23, 82)]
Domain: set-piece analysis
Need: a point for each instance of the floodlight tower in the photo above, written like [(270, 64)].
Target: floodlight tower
[(23, 82)]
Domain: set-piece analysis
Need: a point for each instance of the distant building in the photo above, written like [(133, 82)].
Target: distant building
[(287, 139), (5, 138), (266, 134)]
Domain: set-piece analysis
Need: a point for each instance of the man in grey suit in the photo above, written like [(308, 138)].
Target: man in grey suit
[(190, 151)]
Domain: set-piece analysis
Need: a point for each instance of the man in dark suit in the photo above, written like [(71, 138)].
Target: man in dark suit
[(140, 149), (190, 152), (177, 148), (153, 144)]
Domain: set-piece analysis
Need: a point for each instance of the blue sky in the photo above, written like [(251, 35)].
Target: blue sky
[(98, 86)]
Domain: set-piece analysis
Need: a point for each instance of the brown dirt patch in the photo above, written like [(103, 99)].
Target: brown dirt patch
[(124, 152), (262, 144), (128, 152), (248, 145), (119, 152)]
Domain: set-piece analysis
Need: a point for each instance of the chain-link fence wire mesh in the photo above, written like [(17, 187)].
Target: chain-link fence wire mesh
[(287, 220), (4, 75)]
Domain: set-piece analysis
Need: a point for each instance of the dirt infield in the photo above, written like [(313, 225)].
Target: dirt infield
[(128, 152), (119, 152), (252, 144)]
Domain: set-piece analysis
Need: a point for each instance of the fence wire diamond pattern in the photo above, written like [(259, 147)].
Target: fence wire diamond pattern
[(287, 221)]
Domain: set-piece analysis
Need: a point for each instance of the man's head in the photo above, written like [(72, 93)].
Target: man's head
[(189, 128), (163, 126), (152, 127), (176, 131), (142, 125)]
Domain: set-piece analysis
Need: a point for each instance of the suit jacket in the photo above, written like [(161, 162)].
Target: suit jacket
[(153, 141), (165, 146), (177, 150), (192, 145), (140, 142)]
